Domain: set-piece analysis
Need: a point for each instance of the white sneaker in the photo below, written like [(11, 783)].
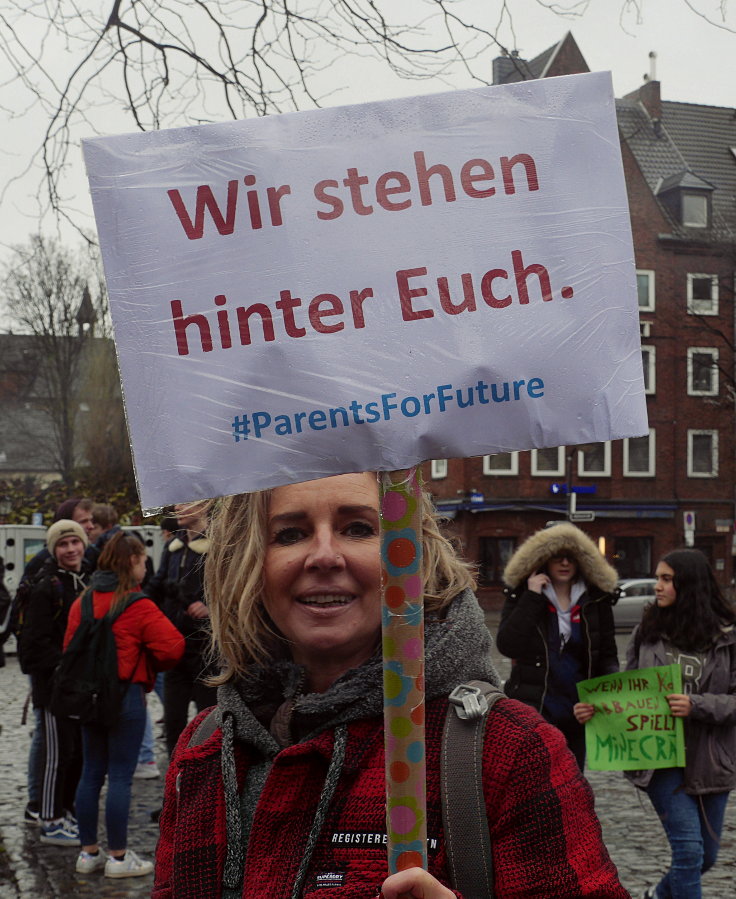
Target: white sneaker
[(130, 866), (146, 770), (87, 863)]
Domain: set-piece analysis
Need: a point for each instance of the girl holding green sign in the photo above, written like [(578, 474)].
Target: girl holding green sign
[(690, 624)]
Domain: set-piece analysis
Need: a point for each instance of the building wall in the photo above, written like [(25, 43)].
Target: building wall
[(631, 513)]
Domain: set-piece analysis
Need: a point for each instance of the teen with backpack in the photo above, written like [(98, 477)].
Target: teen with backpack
[(146, 642), (45, 614)]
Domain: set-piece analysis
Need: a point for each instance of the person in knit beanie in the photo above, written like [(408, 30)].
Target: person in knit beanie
[(59, 582), (61, 529)]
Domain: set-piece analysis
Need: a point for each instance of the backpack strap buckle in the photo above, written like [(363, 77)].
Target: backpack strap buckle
[(469, 702)]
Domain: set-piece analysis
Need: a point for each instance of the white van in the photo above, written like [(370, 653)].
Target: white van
[(19, 543)]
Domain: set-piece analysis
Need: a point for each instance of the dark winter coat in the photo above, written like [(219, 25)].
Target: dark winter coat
[(238, 808), (178, 582), (529, 622), (46, 617)]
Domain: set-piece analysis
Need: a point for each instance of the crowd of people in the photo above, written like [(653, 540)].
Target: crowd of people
[(160, 636), (266, 607)]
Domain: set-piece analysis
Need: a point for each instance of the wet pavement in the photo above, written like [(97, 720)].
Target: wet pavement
[(30, 870)]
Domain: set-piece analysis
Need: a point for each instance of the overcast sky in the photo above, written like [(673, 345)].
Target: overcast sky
[(696, 63)]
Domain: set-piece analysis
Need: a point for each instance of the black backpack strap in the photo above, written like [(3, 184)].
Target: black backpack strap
[(204, 730), (464, 819)]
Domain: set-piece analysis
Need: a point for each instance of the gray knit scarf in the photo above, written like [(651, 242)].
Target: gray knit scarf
[(457, 649)]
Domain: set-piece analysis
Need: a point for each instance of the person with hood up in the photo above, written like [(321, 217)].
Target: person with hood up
[(557, 624), (286, 796)]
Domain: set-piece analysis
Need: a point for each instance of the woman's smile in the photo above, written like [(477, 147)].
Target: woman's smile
[(322, 572)]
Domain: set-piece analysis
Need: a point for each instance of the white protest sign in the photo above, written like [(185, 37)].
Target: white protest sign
[(366, 287)]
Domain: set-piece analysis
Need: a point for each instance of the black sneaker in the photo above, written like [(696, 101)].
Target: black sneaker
[(31, 816)]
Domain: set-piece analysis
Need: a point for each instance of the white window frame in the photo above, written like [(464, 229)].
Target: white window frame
[(652, 297), (606, 473), (651, 368), (693, 195), (438, 469), (651, 469), (713, 310), (713, 353), (547, 473), (713, 473), (512, 470)]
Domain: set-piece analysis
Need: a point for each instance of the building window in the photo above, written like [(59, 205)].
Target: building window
[(702, 454), (639, 456), (494, 553), (438, 469), (548, 462), (649, 360), (645, 289), (695, 210), (702, 294), (632, 557), (595, 460), (501, 464), (702, 371)]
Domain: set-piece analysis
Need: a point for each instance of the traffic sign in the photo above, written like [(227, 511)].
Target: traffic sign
[(584, 515), (581, 488)]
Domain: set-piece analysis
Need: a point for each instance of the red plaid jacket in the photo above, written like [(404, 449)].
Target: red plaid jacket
[(546, 837)]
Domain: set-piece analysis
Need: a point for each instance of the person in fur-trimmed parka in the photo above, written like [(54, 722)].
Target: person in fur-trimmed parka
[(557, 624)]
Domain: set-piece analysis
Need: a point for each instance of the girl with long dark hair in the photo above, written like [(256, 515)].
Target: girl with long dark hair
[(146, 642), (691, 624)]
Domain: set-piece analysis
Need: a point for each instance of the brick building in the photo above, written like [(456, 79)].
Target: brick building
[(676, 486)]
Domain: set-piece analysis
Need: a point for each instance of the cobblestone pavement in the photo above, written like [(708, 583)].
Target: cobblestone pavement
[(29, 870)]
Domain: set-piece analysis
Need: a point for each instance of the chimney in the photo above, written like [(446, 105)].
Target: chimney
[(504, 66), (649, 93), (650, 97)]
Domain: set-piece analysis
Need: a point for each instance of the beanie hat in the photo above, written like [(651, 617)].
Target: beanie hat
[(64, 528), (66, 509)]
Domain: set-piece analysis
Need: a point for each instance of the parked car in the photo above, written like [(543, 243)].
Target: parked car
[(635, 594)]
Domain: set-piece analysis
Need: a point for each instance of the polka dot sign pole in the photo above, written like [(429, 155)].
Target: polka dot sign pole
[(403, 669)]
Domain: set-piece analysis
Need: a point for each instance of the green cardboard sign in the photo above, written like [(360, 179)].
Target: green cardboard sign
[(633, 728)]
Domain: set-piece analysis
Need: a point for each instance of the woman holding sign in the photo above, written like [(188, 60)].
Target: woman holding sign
[(557, 624), (691, 624), (285, 794)]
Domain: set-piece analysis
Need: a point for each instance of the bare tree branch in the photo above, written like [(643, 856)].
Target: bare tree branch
[(167, 63)]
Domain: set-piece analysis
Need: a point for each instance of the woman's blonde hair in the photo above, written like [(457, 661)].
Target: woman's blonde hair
[(242, 632)]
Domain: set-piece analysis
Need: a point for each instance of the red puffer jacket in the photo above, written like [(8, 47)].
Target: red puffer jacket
[(545, 835), (147, 642)]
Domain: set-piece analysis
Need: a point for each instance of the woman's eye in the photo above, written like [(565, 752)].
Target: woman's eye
[(360, 529), (287, 536)]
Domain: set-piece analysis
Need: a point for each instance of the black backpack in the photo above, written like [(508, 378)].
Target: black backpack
[(19, 608), (86, 683)]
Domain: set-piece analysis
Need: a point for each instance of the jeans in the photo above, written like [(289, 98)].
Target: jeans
[(147, 754), (693, 826), (113, 752)]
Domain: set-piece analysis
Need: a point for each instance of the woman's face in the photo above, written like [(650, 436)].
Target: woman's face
[(138, 568), (562, 569), (322, 582), (664, 589)]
